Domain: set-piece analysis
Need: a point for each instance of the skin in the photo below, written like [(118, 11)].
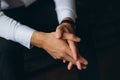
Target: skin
[(57, 48), (68, 28), (60, 45)]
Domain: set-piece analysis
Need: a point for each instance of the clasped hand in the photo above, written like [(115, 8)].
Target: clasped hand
[(60, 45), (71, 40)]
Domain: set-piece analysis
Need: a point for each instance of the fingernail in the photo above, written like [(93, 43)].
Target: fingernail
[(84, 67), (86, 63), (64, 61), (69, 69), (77, 39), (79, 68)]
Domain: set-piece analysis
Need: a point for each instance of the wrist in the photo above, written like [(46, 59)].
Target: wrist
[(69, 21), (37, 39)]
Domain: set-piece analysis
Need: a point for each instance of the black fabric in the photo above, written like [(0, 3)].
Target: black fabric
[(40, 16), (11, 61), (37, 16)]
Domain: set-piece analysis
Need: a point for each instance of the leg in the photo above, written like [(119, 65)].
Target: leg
[(11, 62)]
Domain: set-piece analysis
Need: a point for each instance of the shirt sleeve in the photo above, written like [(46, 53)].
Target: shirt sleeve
[(13, 30), (65, 8)]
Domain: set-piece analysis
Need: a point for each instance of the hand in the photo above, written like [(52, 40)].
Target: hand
[(67, 28), (57, 48), (81, 63)]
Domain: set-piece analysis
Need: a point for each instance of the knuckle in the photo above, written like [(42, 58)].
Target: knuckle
[(59, 27), (61, 56), (72, 36), (63, 48), (53, 51), (55, 58)]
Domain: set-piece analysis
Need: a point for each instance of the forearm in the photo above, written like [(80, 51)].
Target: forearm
[(13, 30)]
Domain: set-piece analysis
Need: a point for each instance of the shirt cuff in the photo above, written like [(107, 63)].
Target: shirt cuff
[(23, 35), (65, 12)]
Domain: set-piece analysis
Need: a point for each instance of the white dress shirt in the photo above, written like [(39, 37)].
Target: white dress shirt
[(13, 30)]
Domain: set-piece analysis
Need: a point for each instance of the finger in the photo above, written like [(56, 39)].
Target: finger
[(69, 52), (67, 57), (78, 65), (69, 29), (69, 66), (64, 61), (71, 36), (59, 32), (83, 60), (73, 49), (83, 66)]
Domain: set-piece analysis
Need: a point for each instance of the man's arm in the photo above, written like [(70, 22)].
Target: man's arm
[(57, 48), (66, 13), (13, 30), (65, 8)]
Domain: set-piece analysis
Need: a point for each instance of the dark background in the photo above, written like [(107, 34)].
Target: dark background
[(100, 21), (98, 25)]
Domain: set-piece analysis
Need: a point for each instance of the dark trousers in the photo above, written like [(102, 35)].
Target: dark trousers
[(11, 61)]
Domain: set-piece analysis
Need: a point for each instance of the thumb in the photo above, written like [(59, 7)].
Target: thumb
[(59, 32)]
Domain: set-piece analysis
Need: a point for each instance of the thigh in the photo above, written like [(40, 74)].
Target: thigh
[(11, 61)]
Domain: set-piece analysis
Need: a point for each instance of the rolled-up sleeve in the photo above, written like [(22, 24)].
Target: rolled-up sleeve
[(65, 8), (13, 30)]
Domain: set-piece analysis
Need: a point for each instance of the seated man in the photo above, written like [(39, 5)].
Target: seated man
[(64, 37)]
